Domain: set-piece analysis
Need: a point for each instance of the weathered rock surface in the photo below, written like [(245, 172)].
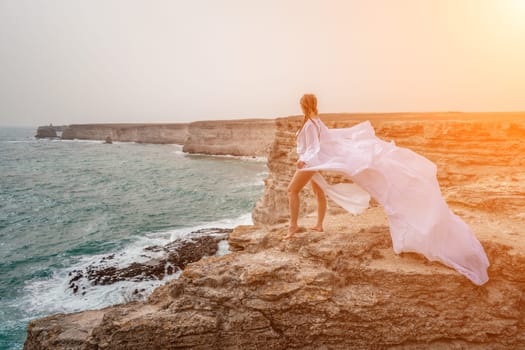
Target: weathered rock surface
[(46, 132), (248, 137), (344, 288), (142, 133)]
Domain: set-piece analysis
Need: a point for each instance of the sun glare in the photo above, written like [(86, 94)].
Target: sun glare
[(520, 4), (515, 9)]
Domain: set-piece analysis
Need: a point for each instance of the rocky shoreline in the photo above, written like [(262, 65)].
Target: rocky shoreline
[(161, 261), (243, 137), (344, 288)]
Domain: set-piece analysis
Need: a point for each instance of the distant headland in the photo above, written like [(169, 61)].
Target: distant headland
[(243, 137)]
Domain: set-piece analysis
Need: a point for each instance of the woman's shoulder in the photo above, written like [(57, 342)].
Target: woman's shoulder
[(318, 123), (313, 123), (309, 124)]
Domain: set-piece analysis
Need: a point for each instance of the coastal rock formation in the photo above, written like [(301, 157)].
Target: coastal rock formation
[(248, 137), (244, 137), (344, 288), (142, 133), (159, 261), (46, 132)]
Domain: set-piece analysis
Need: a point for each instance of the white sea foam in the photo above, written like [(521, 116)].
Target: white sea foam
[(257, 159), (19, 141), (224, 248), (178, 150), (259, 181), (53, 295), (78, 140)]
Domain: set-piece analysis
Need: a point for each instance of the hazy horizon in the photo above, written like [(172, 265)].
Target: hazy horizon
[(116, 61)]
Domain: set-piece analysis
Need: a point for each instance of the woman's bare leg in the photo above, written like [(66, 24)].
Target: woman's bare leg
[(321, 206), (299, 179)]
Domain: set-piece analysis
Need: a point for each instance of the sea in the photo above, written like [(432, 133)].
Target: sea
[(66, 204)]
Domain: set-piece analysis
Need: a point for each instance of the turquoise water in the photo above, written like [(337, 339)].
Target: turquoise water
[(63, 204)]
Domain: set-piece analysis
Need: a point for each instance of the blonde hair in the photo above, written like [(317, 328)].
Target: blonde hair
[(309, 107)]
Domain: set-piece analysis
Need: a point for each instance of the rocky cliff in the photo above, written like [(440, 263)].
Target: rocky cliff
[(143, 133), (46, 132), (243, 137), (235, 137), (344, 288)]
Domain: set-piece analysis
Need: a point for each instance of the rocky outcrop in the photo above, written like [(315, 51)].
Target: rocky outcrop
[(46, 132), (478, 155), (344, 288), (142, 133), (159, 261), (248, 137)]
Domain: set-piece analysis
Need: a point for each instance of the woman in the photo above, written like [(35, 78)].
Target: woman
[(402, 181), (306, 149)]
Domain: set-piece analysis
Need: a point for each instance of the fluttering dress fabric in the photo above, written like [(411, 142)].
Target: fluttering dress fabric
[(403, 182)]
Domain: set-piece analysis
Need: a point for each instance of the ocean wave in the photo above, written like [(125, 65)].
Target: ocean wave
[(54, 294), (178, 150)]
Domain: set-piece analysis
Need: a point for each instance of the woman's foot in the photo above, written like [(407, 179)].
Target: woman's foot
[(317, 228), (292, 230)]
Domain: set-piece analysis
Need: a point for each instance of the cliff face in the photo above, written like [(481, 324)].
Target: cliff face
[(234, 137), (243, 137), (144, 133), (45, 132), (344, 288), (478, 155)]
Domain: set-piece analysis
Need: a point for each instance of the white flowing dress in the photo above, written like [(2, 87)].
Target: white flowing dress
[(403, 182)]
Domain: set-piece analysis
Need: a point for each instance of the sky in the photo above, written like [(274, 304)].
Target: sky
[(94, 61)]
